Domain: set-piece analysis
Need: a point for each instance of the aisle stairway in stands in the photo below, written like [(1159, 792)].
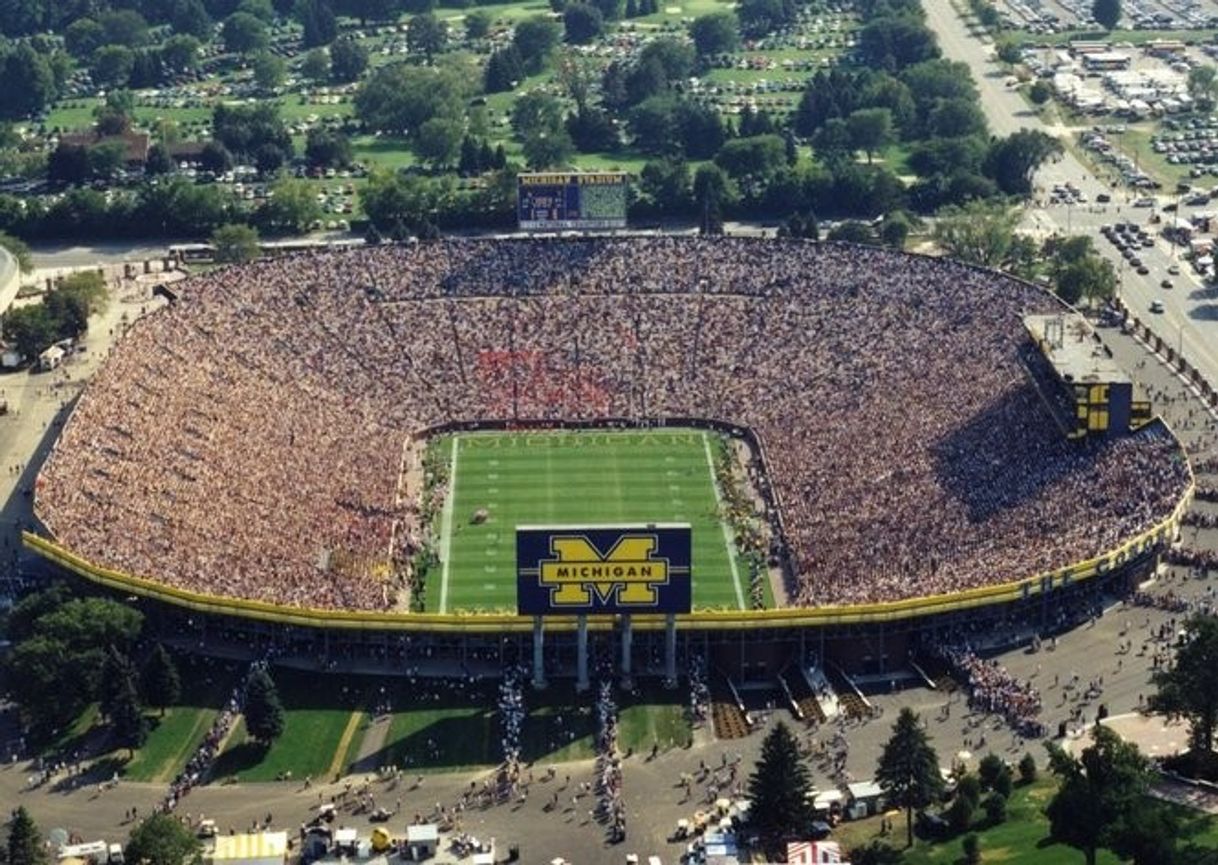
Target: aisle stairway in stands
[(803, 695), (938, 672), (726, 712), (851, 703)]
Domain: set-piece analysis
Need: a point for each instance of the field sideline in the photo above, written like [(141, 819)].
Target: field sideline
[(576, 477)]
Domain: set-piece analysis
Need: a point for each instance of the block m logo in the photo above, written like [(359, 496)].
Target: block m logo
[(579, 569)]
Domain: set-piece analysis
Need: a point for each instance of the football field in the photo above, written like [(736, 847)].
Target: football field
[(584, 477)]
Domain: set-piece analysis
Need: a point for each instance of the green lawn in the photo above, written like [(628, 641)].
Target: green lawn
[(316, 711), (460, 730), (546, 478)]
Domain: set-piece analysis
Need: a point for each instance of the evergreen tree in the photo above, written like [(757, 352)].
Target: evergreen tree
[(1106, 13), (162, 685), (778, 789), (127, 718), (908, 769), (24, 841), (263, 711), (117, 674)]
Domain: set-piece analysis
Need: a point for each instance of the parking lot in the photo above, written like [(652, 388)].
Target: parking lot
[(1058, 16)]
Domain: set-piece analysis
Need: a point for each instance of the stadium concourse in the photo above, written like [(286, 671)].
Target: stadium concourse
[(247, 441)]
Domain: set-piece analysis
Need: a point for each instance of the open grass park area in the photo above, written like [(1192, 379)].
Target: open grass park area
[(586, 477)]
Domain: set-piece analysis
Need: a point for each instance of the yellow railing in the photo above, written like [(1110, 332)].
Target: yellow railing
[(788, 617)]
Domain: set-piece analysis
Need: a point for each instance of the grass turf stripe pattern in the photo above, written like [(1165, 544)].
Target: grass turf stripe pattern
[(584, 477)]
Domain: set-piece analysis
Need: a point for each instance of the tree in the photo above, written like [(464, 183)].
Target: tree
[(666, 182), (243, 33), (851, 231), (19, 250), (163, 840), (1012, 161), (995, 806), (1091, 278), (712, 189), (263, 711), (112, 65), (269, 71), (1097, 790), (908, 769), (426, 34), (317, 19), (348, 59), (181, 52), (235, 243), (161, 684), (989, 769), (752, 160), (190, 17), (82, 37), (316, 65), (438, 140), (260, 9), (1040, 92), (870, 130), (215, 157), (582, 23), (894, 230), (1203, 86), (535, 39), (327, 149), (399, 99), (717, 33), (1027, 769), (876, 853), (123, 27), (1009, 51), (759, 17), (477, 24), (1107, 13), (504, 70), (1189, 688), (960, 814), (29, 82), (778, 790), (127, 718), (971, 847), (117, 675), (976, 233), (25, 841)]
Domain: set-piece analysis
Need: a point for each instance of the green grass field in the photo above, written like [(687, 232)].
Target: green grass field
[(584, 477), (461, 731)]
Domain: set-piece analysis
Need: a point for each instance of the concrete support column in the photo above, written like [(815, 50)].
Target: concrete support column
[(581, 661), (539, 654), (627, 646), (670, 651)]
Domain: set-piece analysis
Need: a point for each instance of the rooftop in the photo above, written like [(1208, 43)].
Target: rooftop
[(1074, 348)]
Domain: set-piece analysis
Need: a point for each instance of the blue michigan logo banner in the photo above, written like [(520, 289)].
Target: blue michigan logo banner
[(613, 570)]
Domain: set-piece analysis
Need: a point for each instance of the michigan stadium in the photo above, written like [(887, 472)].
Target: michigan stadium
[(482, 450)]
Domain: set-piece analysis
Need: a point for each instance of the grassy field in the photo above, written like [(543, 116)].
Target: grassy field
[(1023, 839), (592, 477), (460, 730), (317, 711)]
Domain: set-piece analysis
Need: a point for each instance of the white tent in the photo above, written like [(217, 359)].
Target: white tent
[(253, 848)]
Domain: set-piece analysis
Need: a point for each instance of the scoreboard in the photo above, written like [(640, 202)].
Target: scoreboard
[(571, 200)]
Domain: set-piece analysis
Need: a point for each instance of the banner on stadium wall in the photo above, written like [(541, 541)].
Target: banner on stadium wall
[(603, 569)]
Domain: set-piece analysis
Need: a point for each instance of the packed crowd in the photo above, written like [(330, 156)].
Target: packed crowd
[(512, 712), (610, 809), (249, 440), (992, 689)]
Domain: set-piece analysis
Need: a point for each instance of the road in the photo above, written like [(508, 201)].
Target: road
[(1190, 316)]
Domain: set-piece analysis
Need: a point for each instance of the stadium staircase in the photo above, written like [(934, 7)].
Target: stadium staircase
[(803, 698), (851, 701), (727, 710), (937, 672)]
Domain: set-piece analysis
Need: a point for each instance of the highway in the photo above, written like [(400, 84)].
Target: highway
[(1190, 316)]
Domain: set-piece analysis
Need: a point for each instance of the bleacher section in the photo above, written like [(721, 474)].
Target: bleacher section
[(802, 696), (851, 702), (727, 710), (937, 672)]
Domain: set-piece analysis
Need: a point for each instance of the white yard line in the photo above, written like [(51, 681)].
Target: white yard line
[(446, 527), (727, 534)]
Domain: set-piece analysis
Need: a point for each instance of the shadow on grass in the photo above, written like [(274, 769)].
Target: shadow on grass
[(238, 759)]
